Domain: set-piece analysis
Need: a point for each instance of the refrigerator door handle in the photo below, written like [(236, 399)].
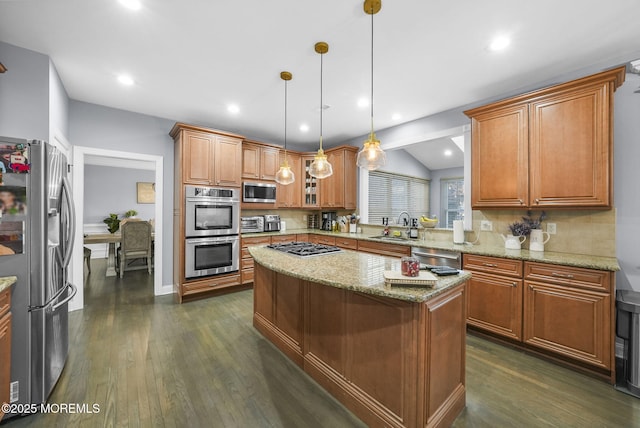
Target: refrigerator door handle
[(66, 190), (53, 299), (71, 295)]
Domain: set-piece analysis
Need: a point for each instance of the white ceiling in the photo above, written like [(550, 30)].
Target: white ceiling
[(191, 58)]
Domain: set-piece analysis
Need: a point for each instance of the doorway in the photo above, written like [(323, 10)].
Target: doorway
[(84, 155)]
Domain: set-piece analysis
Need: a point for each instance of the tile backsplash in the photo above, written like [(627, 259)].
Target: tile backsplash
[(590, 232)]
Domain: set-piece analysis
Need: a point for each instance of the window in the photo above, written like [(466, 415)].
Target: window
[(390, 194), (452, 201)]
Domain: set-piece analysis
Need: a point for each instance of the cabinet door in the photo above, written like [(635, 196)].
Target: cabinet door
[(290, 196), (5, 357), (310, 185), (350, 180), (570, 149), (198, 154), (571, 322), (269, 163), (332, 192), (250, 161), (494, 303), (499, 158), (228, 161)]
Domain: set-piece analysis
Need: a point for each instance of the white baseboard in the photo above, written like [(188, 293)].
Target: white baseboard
[(166, 289)]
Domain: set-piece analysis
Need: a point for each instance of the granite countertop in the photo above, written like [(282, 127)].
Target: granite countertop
[(565, 259), (351, 270), (6, 282)]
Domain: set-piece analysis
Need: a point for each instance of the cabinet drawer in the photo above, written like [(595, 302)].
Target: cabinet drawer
[(321, 239), (5, 301), (212, 283), (590, 279), (302, 237), (255, 240), (246, 263), (492, 265), (247, 275), (384, 249), (282, 238), (348, 243)]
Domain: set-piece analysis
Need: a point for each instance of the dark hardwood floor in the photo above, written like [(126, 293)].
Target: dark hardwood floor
[(149, 362)]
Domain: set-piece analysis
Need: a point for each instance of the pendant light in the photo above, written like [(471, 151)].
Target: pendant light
[(371, 156), (284, 175), (320, 167)]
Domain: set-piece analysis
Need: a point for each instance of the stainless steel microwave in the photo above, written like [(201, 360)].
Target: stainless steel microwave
[(259, 192)]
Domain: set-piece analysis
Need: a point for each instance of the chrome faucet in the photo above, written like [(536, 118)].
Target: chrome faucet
[(407, 222)]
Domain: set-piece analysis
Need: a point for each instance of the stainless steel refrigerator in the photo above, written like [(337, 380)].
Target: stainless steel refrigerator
[(37, 225)]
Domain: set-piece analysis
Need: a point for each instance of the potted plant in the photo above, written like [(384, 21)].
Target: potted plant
[(112, 222), (131, 214)]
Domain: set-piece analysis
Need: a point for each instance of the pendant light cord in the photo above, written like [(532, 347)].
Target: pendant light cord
[(285, 119), (321, 103), (372, 67)]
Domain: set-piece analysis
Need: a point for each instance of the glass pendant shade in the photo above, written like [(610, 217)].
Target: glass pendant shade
[(320, 167), (371, 157), (284, 175)]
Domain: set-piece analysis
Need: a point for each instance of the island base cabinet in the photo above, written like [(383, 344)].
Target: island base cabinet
[(394, 363), (569, 322)]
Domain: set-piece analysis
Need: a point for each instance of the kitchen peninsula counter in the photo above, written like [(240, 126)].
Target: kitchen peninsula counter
[(395, 356)]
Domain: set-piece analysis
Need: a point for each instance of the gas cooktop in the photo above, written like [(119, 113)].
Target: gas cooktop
[(304, 249)]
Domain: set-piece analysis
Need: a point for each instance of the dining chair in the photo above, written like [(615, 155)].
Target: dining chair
[(135, 243)]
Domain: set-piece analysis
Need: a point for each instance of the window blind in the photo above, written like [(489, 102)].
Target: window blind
[(390, 194)]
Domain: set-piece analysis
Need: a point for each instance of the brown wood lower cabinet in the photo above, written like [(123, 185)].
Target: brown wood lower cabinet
[(564, 313), (384, 248), (392, 362), (5, 346)]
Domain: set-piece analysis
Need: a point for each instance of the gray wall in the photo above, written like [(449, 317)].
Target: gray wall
[(436, 176), (626, 179), (401, 162), (24, 93), (113, 190), (91, 125), (58, 104)]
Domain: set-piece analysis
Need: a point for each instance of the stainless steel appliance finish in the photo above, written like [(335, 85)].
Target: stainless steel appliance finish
[(259, 192), (211, 211), (434, 257), (39, 303), (253, 224), (304, 249), (328, 217), (211, 256), (628, 329), (271, 223)]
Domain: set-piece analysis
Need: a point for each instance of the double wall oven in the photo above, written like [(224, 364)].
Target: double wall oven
[(212, 227)]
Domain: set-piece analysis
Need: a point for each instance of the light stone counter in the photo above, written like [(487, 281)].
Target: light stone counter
[(6, 282), (351, 270), (565, 259)]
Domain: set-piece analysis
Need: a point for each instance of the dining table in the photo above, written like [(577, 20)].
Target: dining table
[(107, 238)]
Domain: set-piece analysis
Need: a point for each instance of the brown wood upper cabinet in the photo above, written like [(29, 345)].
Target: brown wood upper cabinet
[(207, 157), (548, 148), (290, 196), (259, 161), (339, 190)]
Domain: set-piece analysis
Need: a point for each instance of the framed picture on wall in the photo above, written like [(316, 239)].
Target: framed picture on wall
[(146, 192)]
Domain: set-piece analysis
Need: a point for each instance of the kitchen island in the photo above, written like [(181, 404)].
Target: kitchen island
[(395, 356)]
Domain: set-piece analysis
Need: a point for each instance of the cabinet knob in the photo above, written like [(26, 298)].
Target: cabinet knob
[(537, 201), (513, 284), (521, 201)]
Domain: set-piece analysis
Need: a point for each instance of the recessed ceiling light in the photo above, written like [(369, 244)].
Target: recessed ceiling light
[(448, 152), (396, 116), (499, 43), (304, 127), (363, 102), (233, 109), (131, 4), (126, 80)]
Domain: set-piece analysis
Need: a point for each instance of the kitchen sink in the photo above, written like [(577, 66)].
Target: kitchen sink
[(389, 238)]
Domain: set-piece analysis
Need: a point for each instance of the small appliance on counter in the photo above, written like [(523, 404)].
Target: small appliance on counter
[(328, 219), (253, 224), (271, 223)]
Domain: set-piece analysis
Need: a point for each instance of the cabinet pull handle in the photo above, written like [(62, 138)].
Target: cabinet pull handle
[(213, 285), (537, 201), (521, 201), (489, 265), (562, 275)]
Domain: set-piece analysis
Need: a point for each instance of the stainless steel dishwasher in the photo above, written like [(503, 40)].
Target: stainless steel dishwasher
[(435, 257)]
